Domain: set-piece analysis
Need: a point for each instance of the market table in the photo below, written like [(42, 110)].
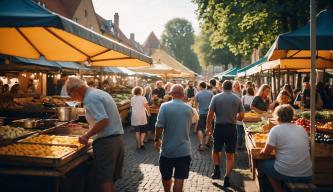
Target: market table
[(323, 168), (55, 175), (44, 176)]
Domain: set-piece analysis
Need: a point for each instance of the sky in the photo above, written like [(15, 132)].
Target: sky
[(143, 16)]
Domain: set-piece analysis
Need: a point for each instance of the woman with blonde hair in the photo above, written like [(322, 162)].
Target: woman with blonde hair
[(261, 102), (138, 118), (236, 89)]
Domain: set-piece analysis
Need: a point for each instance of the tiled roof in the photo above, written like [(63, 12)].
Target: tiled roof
[(66, 8), (117, 34), (151, 42)]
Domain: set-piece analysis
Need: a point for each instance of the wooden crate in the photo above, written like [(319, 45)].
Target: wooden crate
[(124, 114), (324, 150), (252, 119), (323, 169)]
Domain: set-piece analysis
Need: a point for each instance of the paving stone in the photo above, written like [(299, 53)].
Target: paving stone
[(141, 171)]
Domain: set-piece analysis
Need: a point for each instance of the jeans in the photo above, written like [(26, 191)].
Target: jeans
[(267, 167), (240, 135)]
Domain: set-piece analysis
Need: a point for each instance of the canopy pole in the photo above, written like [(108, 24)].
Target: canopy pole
[(274, 83), (313, 81), (288, 77), (279, 82)]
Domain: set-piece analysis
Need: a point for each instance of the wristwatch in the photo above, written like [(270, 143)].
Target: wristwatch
[(156, 139)]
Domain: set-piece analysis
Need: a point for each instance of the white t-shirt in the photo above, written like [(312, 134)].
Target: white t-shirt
[(138, 111), (247, 99), (292, 150)]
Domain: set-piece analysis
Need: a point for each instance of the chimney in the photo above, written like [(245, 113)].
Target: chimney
[(116, 20), (132, 37)]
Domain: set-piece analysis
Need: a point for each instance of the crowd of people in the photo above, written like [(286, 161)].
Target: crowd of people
[(219, 107), (16, 90)]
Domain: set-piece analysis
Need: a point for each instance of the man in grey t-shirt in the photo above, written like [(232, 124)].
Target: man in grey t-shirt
[(227, 108), (174, 120), (202, 101)]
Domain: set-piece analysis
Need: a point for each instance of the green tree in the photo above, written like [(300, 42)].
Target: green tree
[(178, 36), (247, 25), (208, 55)]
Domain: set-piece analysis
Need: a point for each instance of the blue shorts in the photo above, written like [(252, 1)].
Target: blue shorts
[(180, 164), (267, 167)]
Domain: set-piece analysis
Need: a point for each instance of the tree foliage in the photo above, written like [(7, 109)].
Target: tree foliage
[(178, 36), (246, 25), (207, 55)]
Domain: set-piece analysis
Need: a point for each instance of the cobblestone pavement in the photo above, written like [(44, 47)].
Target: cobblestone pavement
[(141, 172)]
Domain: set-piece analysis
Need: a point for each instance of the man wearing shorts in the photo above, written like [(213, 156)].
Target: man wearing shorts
[(227, 108), (105, 129), (202, 101), (174, 120)]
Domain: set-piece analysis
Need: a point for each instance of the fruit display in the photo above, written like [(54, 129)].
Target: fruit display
[(259, 139), (323, 138), (251, 117), (327, 127), (118, 98), (36, 150), (304, 123), (321, 116), (8, 132), (53, 139), (255, 127)]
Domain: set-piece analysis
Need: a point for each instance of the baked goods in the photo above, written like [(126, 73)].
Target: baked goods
[(36, 150)]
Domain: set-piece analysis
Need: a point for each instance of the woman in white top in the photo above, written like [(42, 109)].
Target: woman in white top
[(248, 98), (139, 105), (292, 161)]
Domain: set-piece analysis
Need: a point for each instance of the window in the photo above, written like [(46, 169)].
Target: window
[(85, 13)]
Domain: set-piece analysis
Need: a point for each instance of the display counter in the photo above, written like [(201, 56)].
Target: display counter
[(49, 156)]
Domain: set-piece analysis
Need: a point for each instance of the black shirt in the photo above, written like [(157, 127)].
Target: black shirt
[(160, 92), (259, 103)]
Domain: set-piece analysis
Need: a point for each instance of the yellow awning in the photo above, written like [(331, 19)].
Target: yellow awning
[(58, 45), (294, 64)]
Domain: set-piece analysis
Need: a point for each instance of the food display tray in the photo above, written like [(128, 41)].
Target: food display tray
[(41, 161), (9, 141)]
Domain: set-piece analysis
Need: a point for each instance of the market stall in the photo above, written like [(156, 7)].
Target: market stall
[(257, 127), (45, 157)]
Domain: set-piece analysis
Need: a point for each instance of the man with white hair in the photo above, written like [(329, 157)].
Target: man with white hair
[(174, 120), (105, 129)]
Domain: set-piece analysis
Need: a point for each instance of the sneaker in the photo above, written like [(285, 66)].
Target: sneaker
[(226, 182), (202, 147), (216, 175), (207, 145)]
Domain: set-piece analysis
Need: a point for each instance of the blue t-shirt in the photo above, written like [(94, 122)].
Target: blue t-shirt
[(226, 105), (175, 117), (100, 105), (203, 99)]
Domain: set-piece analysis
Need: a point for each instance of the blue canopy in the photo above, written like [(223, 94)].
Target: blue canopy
[(242, 72), (113, 70), (300, 38), (232, 73), (41, 62), (72, 65)]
